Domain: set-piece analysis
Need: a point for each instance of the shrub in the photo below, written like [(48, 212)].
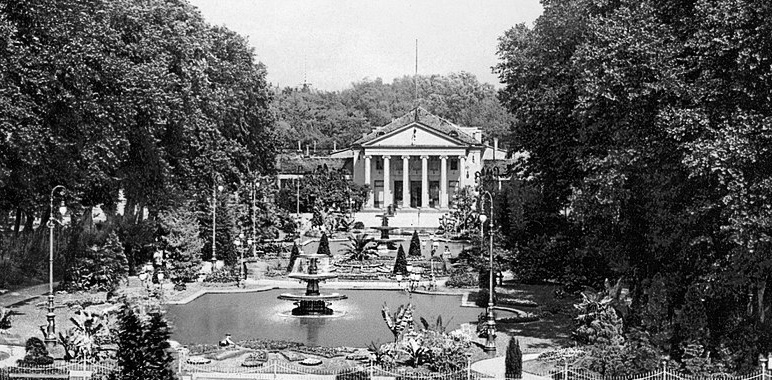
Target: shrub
[(182, 243), (513, 363), (415, 245), (222, 276), (324, 246), (481, 300), (143, 346), (619, 359), (461, 278), (11, 274), (100, 267), (293, 257), (400, 265), (36, 354), (289, 227), (358, 226)]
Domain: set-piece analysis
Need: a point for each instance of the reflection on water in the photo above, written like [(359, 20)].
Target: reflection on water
[(261, 315), (312, 328)]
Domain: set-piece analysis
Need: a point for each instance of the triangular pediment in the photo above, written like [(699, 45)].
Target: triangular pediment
[(431, 129), (414, 134)]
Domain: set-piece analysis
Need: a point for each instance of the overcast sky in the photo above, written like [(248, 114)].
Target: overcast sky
[(336, 42)]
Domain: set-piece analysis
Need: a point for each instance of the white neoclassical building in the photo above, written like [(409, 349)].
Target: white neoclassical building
[(414, 164)]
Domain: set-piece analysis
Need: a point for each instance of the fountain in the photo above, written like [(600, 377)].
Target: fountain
[(313, 303), (385, 243)]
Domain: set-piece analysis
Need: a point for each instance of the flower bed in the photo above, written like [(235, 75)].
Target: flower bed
[(327, 352), (269, 345), (360, 276)]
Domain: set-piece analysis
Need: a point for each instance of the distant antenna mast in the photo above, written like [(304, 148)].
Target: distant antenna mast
[(306, 86), (415, 77)]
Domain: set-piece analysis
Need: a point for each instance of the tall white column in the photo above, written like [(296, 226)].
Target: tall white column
[(368, 183), (461, 172), (387, 198), (425, 181), (443, 181), (354, 167), (405, 181)]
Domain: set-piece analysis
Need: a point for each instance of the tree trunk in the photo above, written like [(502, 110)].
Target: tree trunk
[(17, 222), (761, 288), (87, 219), (28, 221), (44, 219), (110, 211), (129, 211)]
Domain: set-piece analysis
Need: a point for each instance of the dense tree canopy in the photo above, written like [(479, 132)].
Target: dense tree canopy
[(309, 116), (122, 94), (138, 97), (648, 124)]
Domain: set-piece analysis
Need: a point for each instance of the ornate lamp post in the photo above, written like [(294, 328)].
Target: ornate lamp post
[(297, 191), (215, 187), (237, 243), (255, 186), (161, 277), (433, 282), (50, 332), (490, 340)]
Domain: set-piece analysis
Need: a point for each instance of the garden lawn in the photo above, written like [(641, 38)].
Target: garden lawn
[(553, 328), (30, 314)]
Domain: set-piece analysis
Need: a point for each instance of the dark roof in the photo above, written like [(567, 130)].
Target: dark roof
[(301, 165), (425, 118)]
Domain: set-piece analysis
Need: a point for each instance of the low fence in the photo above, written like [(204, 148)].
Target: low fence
[(281, 370), (662, 373), (74, 370)]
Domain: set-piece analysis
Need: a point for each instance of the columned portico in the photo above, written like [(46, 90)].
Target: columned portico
[(461, 167), (387, 198), (443, 181), (429, 185), (370, 194), (425, 181), (405, 181)]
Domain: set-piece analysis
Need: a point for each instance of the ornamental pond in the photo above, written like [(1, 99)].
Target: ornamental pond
[(260, 315)]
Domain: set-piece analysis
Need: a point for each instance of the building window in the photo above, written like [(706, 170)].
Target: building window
[(379, 164), (454, 164)]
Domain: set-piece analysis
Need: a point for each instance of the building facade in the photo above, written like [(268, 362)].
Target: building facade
[(415, 165), (418, 161)]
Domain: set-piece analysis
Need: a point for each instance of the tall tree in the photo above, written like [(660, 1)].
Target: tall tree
[(648, 137)]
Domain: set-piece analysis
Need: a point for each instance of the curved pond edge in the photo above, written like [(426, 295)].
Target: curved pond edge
[(464, 295)]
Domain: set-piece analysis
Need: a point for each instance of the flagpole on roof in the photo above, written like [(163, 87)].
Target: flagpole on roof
[(415, 77)]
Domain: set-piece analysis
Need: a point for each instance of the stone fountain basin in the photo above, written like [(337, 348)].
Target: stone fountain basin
[(306, 276), (321, 297)]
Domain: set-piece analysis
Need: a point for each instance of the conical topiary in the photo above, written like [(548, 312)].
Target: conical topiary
[(293, 257), (400, 265), (415, 245), (324, 246), (513, 363)]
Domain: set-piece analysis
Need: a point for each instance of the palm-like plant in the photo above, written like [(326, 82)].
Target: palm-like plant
[(81, 340), (359, 248), (5, 319), (400, 321), (438, 326)]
